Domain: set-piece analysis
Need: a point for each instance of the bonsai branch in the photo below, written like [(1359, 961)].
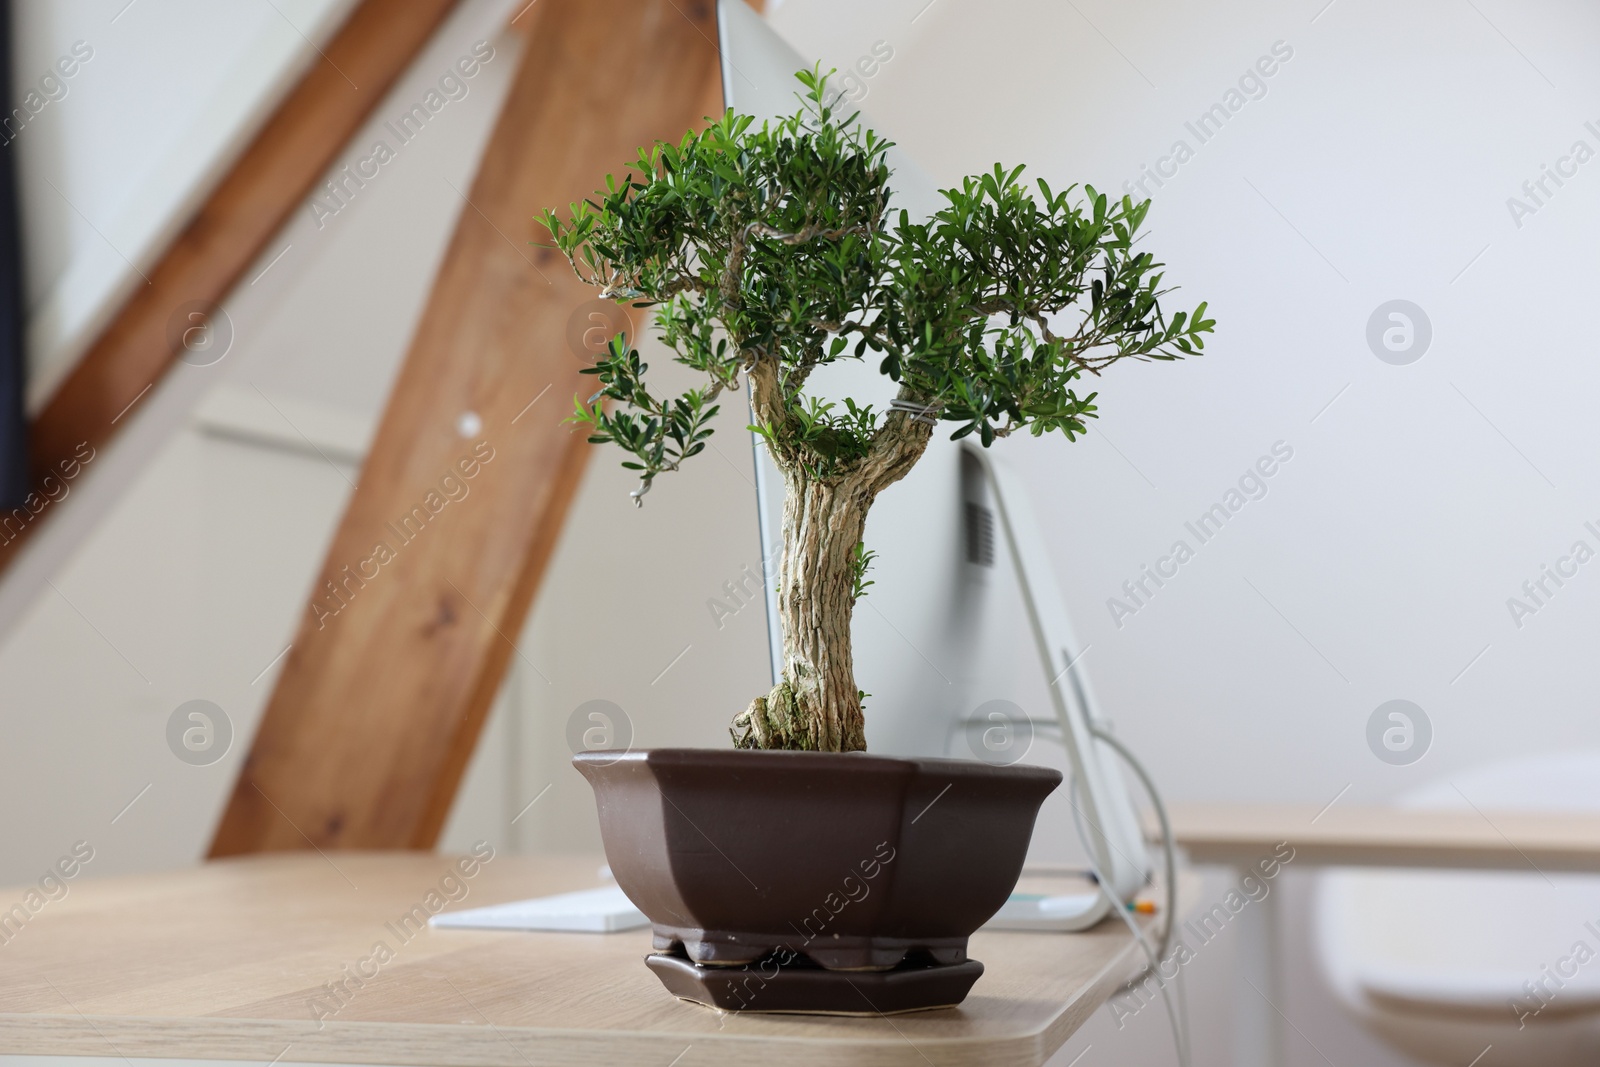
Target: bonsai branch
[(809, 233)]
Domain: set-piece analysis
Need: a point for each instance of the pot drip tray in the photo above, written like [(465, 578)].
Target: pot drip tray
[(801, 987)]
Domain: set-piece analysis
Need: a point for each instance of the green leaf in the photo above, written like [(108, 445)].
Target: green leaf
[(769, 246)]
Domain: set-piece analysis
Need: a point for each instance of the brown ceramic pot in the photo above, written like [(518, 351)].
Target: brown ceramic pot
[(807, 860)]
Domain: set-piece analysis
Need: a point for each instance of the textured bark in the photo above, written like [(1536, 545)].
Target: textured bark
[(817, 706)]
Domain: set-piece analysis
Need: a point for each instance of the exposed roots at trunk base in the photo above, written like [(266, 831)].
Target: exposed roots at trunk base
[(779, 721), (773, 721)]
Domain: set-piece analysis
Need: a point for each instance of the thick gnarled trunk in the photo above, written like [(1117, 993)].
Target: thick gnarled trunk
[(822, 525), (816, 706)]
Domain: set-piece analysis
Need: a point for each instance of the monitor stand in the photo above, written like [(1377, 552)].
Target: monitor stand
[(1102, 805)]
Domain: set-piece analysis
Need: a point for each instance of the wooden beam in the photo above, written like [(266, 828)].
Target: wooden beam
[(403, 647), (265, 185)]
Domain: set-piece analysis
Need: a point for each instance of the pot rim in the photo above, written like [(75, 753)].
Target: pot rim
[(734, 758)]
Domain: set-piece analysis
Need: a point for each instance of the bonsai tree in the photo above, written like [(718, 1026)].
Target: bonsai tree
[(768, 252)]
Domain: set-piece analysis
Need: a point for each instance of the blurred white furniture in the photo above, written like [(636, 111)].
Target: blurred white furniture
[(1545, 828), (1444, 964)]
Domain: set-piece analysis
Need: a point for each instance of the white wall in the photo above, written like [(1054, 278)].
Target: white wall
[(1405, 520), (135, 111), (1377, 166)]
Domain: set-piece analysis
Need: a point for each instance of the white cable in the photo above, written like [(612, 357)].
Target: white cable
[(1179, 1044), (1169, 855), (1168, 851), (1177, 1017)]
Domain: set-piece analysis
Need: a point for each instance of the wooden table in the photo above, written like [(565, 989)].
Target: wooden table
[(1238, 835), (1390, 837), (227, 961)]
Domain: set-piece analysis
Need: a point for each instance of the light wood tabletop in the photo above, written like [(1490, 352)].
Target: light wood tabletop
[(1390, 837), (229, 960)]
